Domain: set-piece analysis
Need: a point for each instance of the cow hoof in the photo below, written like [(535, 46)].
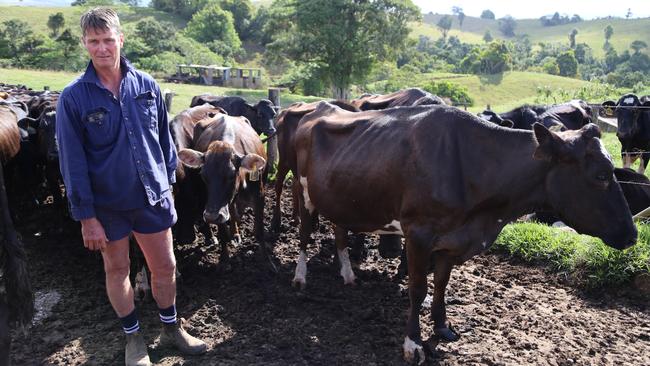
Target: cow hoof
[(236, 239), (413, 352), (299, 283), (446, 334)]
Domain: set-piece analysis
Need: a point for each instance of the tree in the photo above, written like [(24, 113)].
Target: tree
[(56, 22), (572, 38), (158, 36), (496, 58), (637, 46), (628, 14), (567, 63), (18, 38), (134, 3), (487, 37), (461, 19), (444, 24), (609, 31), (582, 52), (214, 27), (242, 12), (487, 14), (343, 39), (507, 25)]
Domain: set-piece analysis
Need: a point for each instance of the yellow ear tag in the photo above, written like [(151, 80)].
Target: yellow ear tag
[(254, 175)]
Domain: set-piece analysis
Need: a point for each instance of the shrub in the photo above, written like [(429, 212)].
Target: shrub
[(445, 89)]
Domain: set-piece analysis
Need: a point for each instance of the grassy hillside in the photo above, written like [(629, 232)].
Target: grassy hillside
[(37, 16), (37, 79), (590, 31)]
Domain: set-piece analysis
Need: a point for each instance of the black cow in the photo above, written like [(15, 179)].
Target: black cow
[(449, 207), (521, 118), (633, 117), (231, 158), (260, 115), (568, 116)]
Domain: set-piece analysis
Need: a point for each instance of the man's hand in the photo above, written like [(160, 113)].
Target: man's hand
[(93, 234)]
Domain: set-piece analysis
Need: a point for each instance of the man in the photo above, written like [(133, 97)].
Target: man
[(118, 161)]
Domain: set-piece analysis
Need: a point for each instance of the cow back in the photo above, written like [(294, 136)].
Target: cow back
[(9, 134)]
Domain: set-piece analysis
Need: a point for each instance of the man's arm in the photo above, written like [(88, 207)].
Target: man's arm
[(165, 138), (72, 160)]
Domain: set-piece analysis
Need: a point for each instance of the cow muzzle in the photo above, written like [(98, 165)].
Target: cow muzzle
[(217, 217)]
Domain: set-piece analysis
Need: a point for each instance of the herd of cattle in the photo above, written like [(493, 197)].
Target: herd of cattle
[(400, 165)]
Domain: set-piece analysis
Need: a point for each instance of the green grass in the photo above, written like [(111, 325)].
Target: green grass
[(589, 31), (584, 258), (57, 80)]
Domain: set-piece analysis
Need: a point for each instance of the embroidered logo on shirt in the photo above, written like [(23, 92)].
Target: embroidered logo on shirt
[(97, 116)]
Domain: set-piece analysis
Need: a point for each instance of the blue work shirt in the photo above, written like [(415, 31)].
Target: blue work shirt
[(114, 152)]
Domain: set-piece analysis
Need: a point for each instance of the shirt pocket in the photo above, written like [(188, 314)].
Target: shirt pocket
[(147, 110), (99, 131)]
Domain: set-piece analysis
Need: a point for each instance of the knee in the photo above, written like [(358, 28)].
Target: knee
[(164, 270), (117, 270)]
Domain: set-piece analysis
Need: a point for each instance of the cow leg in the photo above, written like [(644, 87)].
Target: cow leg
[(358, 251), (402, 268), (142, 289), (418, 254), (442, 270), (625, 156), (341, 240), (224, 235), (295, 201), (279, 186), (208, 237), (307, 219), (643, 164), (5, 337)]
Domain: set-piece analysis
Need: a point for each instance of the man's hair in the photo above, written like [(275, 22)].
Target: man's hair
[(100, 18)]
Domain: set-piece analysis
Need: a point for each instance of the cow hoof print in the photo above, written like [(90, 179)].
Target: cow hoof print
[(413, 352)]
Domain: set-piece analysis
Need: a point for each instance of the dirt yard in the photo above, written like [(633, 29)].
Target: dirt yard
[(507, 313)]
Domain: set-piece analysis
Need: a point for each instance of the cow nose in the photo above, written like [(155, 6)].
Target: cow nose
[(270, 131), (218, 217)]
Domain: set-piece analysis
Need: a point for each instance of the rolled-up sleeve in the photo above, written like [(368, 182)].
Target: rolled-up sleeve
[(72, 160), (165, 138)]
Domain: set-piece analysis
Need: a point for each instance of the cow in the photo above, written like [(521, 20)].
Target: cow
[(633, 119), (16, 298), (260, 115), (404, 97), (231, 158), (189, 190), (521, 118), (572, 115), (449, 182)]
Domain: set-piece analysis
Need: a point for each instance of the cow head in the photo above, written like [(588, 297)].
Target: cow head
[(224, 172), (490, 116), (265, 114), (631, 121), (580, 185)]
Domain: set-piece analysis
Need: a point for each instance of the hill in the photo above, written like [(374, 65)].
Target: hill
[(589, 31), (36, 16)]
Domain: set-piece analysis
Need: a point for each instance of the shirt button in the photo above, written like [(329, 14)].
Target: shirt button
[(126, 118), (133, 147), (130, 132), (138, 161)]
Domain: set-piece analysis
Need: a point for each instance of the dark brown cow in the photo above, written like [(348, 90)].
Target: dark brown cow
[(231, 158), (449, 182), (404, 97), (287, 122)]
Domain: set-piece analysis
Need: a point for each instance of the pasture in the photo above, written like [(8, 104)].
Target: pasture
[(589, 31)]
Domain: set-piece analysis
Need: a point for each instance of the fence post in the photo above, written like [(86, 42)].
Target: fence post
[(272, 144), (168, 96)]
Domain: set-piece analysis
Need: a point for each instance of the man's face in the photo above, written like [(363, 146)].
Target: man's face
[(103, 46)]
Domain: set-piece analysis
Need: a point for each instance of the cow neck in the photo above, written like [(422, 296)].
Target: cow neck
[(526, 175)]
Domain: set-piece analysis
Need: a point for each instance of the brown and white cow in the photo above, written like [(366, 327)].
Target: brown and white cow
[(449, 182), (231, 158)]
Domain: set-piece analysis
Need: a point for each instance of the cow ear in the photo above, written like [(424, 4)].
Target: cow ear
[(590, 130), (608, 109), (27, 122), (252, 162), (549, 145), (191, 158)]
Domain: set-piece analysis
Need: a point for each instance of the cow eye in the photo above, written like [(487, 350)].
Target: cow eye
[(603, 177)]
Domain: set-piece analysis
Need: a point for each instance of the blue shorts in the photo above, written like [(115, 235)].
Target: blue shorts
[(147, 220)]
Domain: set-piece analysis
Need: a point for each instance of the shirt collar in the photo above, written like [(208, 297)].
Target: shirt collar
[(90, 76)]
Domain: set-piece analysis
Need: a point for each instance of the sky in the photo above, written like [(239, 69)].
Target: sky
[(522, 9)]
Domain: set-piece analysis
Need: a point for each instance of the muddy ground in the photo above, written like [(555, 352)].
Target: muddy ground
[(507, 312)]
